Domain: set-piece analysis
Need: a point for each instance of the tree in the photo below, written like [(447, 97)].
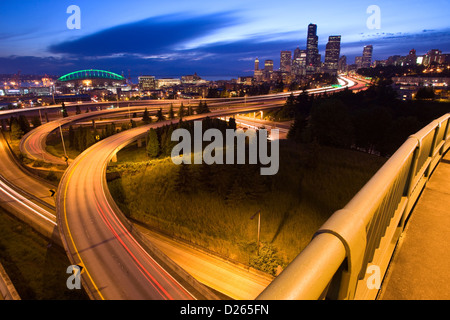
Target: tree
[(153, 147), (23, 123), (232, 123), (425, 93), (146, 117), (36, 122), (16, 131), (181, 111), (183, 178), (205, 108), (159, 115), (167, 144), (171, 113), (202, 108), (199, 109), (332, 124)]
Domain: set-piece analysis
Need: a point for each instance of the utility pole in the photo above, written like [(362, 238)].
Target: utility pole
[(259, 226), (64, 146)]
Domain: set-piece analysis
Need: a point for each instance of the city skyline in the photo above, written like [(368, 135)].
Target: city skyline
[(224, 35)]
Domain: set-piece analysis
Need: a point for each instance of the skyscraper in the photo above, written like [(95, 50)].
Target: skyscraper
[(342, 64), (299, 63), (358, 62), (367, 56), (268, 69), (285, 61), (332, 53), (268, 65), (312, 50), (258, 74), (297, 53)]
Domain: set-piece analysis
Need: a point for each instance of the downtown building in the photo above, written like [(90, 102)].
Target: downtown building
[(367, 56), (147, 83), (286, 61), (258, 73), (299, 63), (332, 54), (312, 50), (268, 70)]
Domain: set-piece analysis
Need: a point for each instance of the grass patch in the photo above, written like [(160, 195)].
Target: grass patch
[(213, 207), (55, 147), (36, 267)]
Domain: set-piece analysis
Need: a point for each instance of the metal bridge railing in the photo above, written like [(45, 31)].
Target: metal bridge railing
[(365, 232)]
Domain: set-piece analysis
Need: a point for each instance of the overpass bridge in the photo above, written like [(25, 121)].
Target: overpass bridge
[(356, 245)]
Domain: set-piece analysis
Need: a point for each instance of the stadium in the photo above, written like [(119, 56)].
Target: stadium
[(84, 80)]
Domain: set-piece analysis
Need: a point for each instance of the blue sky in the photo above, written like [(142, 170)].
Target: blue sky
[(216, 39)]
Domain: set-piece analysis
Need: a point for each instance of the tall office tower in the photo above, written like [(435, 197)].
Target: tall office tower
[(268, 65), (312, 50), (358, 62), (296, 53), (342, 64), (268, 70), (367, 56), (285, 61), (332, 53), (299, 63), (258, 74)]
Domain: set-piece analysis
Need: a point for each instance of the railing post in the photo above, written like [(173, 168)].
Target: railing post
[(433, 145), (446, 132), (354, 238), (410, 182)]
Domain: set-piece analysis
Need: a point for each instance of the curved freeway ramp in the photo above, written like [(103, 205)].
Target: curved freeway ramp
[(97, 236), (33, 144)]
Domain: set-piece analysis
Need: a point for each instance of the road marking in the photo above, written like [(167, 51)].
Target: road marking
[(68, 229)]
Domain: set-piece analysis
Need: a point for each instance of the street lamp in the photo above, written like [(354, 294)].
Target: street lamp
[(64, 146), (259, 225)]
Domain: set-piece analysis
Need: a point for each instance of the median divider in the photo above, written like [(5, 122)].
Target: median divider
[(7, 289)]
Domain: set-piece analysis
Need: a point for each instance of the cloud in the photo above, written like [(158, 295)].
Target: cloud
[(151, 36), (214, 60), (389, 44)]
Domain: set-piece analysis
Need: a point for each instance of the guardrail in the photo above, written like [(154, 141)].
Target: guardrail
[(365, 232)]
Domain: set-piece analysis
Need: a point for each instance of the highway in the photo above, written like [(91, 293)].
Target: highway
[(29, 199), (94, 235), (116, 265), (33, 144), (26, 197)]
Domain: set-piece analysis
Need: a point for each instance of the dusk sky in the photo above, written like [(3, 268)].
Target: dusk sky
[(216, 39)]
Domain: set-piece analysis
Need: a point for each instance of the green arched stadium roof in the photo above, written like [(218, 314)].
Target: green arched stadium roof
[(90, 74)]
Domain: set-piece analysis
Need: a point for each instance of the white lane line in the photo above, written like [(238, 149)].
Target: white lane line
[(25, 202)]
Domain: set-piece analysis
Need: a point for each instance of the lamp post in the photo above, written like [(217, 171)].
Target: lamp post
[(64, 146), (259, 225)]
